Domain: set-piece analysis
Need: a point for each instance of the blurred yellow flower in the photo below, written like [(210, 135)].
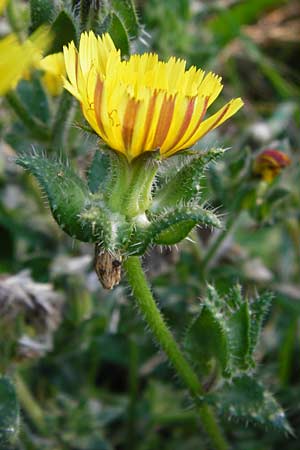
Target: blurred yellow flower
[(17, 58), (142, 104), (54, 69), (2, 5)]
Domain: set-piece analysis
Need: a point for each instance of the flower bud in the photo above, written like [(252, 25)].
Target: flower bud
[(269, 163)]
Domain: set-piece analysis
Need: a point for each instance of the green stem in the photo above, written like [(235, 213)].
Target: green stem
[(164, 337), (62, 122), (119, 179), (37, 128), (29, 404), (142, 173)]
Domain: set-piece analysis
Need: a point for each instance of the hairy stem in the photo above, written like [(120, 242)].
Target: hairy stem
[(165, 339)]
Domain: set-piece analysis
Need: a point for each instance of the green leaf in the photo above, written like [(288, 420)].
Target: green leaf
[(119, 34), (259, 308), (9, 414), (206, 343), (67, 194), (238, 322), (170, 227), (64, 31), (238, 332), (246, 399), (99, 170), (34, 99), (126, 11), (276, 195), (185, 184), (103, 226), (41, 12)]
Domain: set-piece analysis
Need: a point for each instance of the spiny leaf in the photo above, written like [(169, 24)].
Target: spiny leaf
[(9, 414), (118, 32), (99, 170), (34, 99), (238, 333), (246, 399), (240, 322), (185, 184), (64, 31), (41, 12), (259, 308), (111, 229), (126, 10), (67, 194), (170, 227), (206, 342)]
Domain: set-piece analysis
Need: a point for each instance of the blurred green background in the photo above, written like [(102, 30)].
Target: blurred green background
[(87, 373)]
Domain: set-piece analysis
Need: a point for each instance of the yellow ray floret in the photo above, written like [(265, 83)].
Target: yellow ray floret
[(16, 58), (54, 69), (2, 5), (142, 104)]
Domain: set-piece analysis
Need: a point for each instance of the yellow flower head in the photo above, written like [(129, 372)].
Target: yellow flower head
[(2, 5), (142, 104), (16, 58), (54, 69)]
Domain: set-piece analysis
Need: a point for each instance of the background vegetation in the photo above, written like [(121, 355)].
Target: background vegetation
[(86, 372)]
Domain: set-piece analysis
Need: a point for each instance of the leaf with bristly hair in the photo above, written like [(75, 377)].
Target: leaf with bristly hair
[(126, 11), (206, 342), (66, 192), (259, 307), (185, 184), (171, 227), (246, 399), (99, 170), (232, 322), (64, 31), (238, 330), (119, 34), (41, 12)]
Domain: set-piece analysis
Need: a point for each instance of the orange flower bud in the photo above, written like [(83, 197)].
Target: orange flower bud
[(269, 163)]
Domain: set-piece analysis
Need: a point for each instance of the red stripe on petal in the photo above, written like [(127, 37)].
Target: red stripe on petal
[(149, 118), (164, 121), (200, 120), (218, 120), (98, 104), (185, 123), (129, 122)]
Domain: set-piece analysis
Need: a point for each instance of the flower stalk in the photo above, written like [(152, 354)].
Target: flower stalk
[(166, 341), (29, 404)]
